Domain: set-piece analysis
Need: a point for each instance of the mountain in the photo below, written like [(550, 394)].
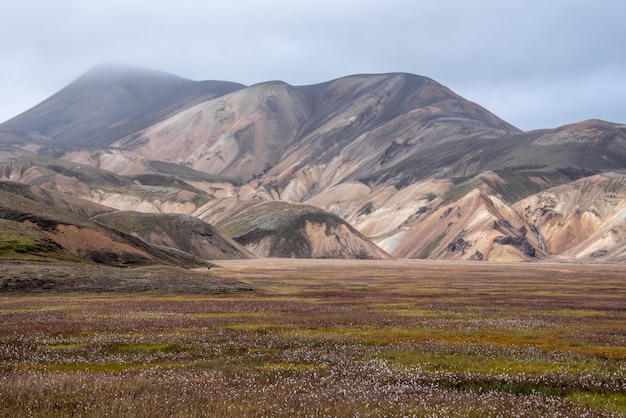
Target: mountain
[(110, 102), (396, 160), (299, 140)]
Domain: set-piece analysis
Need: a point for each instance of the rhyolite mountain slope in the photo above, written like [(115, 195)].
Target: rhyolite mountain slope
[(65, 185), (149, 192), (32, 229), (415, 168), (582, 219)]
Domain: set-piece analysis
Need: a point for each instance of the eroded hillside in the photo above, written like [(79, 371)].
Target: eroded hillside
[(395, 160)]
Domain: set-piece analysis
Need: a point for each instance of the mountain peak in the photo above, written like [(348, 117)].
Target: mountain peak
[(117, 71), (112, 101)]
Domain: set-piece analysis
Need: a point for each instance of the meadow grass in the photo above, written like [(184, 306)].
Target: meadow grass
[(376, 340)]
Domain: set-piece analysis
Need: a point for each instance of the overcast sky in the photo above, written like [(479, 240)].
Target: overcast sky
[(534, 63)]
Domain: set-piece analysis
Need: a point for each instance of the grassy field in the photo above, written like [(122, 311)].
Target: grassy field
[(321, 338)]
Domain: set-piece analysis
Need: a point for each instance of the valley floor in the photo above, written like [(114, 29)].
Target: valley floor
[(278, 337)]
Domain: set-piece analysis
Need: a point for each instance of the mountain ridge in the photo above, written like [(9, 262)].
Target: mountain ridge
[(117, 99), (388, 153)]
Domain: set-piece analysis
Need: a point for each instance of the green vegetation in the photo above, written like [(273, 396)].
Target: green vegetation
[(17, 189), (187, 173), (267, 216), (18, 241), (520, 184), (511, 185), (432, 245)]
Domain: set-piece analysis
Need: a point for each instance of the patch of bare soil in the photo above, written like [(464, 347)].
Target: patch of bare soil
[(34, 277), (502, 283)]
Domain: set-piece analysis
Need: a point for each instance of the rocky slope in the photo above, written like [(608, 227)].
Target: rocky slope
[(281, 229), (584, 219), (149, 192), (46, 224), (110, 102)]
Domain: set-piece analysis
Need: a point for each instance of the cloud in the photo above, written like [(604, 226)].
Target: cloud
[(534, 63)]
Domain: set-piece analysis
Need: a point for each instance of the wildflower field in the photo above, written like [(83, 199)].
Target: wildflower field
[(324, 338)]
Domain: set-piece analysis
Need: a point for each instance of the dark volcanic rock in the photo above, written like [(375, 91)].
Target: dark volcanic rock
[(518, 241)]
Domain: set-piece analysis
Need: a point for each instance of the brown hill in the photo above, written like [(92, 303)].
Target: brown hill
[(281, 229), (181, 232), (576, 149)]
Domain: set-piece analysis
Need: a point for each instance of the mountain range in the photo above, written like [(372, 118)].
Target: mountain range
[(365, 166)]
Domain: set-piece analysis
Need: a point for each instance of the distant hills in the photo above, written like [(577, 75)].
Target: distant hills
[(365, 166)]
